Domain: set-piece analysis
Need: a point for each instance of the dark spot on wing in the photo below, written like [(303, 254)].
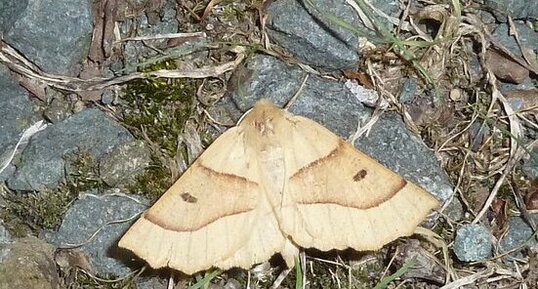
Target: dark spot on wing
[(360, 175), (189, 198)]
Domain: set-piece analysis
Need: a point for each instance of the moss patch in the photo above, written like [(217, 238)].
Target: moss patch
[(156, 111)]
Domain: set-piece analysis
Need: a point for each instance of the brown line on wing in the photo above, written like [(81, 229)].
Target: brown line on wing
[(212, 172), (364, 206), (167, 225), (332, 154)]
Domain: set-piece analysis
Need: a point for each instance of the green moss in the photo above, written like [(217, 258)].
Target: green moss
[(231, 13), (156, 111), (82, 173), (153, 182), (159, 108), (84, 281), (37, 209)]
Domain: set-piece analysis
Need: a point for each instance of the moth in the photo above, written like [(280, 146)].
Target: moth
[(272, 184)]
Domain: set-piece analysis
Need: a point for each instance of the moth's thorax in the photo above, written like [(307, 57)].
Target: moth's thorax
[(265, 126)]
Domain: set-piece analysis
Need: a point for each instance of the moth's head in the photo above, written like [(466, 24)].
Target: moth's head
[(264, 118)]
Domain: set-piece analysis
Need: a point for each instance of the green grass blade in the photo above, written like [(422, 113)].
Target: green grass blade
[(387, 280), (206, 281), (298, 274)]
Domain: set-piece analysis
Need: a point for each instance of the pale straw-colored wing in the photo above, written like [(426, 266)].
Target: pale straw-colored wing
[(214, 215), (337, 197)]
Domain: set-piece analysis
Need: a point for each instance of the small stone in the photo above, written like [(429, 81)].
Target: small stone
[(304, 32), (454, 211), (78, 106), (42, 163), (530, 164), (94, 221), (57, 111), (108, 97), (124, 162), (232, 284), (478, 132), (518, 233), (473, 243), (409, 89), (28, 263)]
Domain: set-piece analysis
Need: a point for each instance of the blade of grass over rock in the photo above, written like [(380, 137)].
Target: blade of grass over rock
[(382, 34), (387, 280), (206, 281)]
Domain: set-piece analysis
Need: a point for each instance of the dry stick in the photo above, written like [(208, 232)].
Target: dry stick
[(438, 242), (299, 92), (521, 204), (280, 278), (462, 169), (171, 282), (209, 8), (516, 152), (529, 57), (507, 170), (164, 36), (11, 58), (469, 279)]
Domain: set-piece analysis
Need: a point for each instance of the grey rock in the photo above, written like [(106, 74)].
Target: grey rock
[(133, 50), (10, 11), (90, 214), (333, 105), (518, 233), (15, 111), (5, 237), (424, 267), (311, 38), (151, 282), (232, 284), (393, 145), (7, 172), (527, 84), (389, 7), (57, 110), (454, 211), (267, 77), (108, 97), (54, 34), (530, 164), (518, 9), (42, 163), (473, 242), (409, 89), (474, 66), (28, 263), (478, 132), (527, 36), (124, 162)]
